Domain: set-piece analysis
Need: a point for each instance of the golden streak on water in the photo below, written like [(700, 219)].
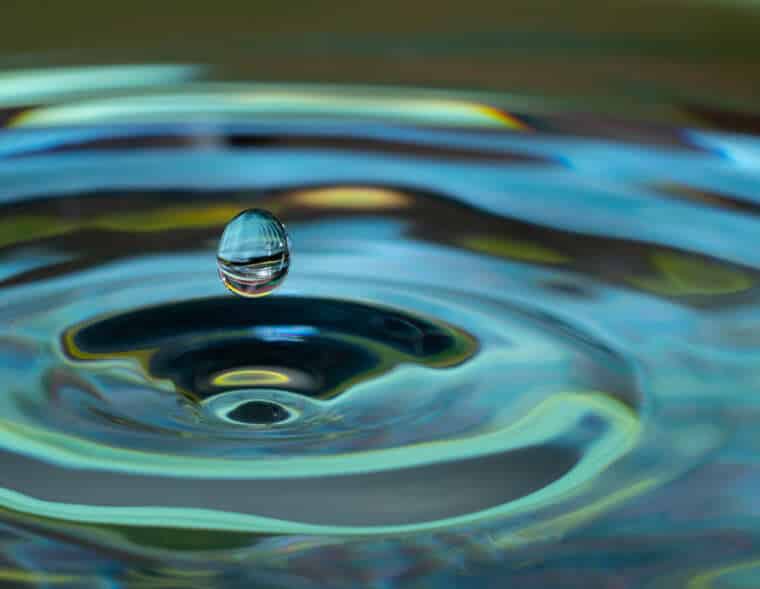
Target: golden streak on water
[(248, 377), (352, 197)]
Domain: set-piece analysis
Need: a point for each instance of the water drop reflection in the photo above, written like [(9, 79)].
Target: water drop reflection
[(254, 253)]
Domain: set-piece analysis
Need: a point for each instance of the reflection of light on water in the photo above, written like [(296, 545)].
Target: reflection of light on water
[(20, 229), (29, 259), (291, 333), (742, 574), (23, 87), (545, 423), (262, 100), (248, 377), (30, 577), (514, 249), (680, 275), (351, 197)]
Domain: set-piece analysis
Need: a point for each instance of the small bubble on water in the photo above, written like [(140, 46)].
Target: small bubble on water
[(254, 253)]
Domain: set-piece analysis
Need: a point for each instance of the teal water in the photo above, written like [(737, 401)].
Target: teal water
[(513, 348)]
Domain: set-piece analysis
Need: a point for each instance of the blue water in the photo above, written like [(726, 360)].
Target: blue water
[(513, 349)]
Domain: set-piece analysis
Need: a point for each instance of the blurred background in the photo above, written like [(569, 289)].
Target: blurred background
[(699, 54)]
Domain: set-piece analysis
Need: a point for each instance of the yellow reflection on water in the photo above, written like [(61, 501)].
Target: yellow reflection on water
[(682, 275), (241, 377), (514, 249), (255, 101), (351, 197)]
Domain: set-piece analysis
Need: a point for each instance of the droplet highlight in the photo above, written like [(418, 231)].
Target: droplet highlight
[(254, 253)]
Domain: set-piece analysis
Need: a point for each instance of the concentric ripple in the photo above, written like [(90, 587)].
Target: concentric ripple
[(491, 326), (380, 387)]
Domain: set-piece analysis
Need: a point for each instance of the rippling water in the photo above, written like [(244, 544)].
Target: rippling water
[(512, 348)]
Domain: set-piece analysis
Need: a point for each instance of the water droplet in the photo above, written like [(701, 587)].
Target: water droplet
[(254, 253)]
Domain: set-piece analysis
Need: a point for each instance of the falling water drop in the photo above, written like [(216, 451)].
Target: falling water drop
[(254, 253)]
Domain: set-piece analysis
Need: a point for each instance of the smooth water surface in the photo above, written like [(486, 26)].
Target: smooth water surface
[(513, 348)]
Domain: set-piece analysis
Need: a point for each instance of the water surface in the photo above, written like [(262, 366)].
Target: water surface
[(512, 344)]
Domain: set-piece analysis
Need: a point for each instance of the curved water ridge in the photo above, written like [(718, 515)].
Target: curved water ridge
[(502, 325)]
